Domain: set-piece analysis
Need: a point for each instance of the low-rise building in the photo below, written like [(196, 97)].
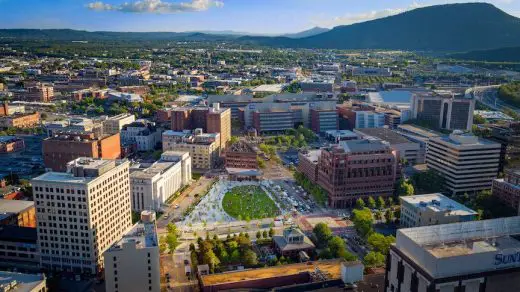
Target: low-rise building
[(406, 150), (67, 146), (204, 148), (151, 185), (132, 262), (308, 164), (142, 133), (507, 189), (479, 256), (19, 247), (114, 124), (20, 120), (18, 282), (418, 135), (292, 242), (433, 209), (241, 155), (9, 144), (335, 136), (17, 213), (467, 163)]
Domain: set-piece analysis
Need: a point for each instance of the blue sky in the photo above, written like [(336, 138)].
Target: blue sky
[(255, 16)]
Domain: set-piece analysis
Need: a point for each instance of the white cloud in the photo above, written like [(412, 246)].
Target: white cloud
[(157, 6), (350, 18)]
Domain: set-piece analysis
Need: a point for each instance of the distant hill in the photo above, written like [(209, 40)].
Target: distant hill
[(306, 33), (450, 27), (510, 54)]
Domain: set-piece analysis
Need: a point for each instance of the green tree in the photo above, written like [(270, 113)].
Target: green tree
[(380, 203), (265, 234), (250, 258), (389, 215), (258, 234), (336, 246), (271, 232), (360, 204), (404, 188), (322, 233), (380, 243), (363, 221), (374, 259), (479, 120), (371, 203)]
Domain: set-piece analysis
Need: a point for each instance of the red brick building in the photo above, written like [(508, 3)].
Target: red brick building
[(20, 120), (241, 155), (308, 164), (65, 147), (507, 189), (357, 169)]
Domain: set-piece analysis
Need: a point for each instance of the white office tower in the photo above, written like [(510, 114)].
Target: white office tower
[(152, 184), (467, 163), (476, 256), (132, 263), (81, 213)]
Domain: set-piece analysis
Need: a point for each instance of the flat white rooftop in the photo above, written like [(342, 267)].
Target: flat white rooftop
[(144, 235), (437, 202)]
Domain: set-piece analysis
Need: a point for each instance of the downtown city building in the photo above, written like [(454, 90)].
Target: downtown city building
[(476, 256), (356, 169), (81, 213), (467, 163)]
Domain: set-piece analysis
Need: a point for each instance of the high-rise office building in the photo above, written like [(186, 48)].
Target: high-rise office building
[(467, 163), (81, 213), (443, 109)]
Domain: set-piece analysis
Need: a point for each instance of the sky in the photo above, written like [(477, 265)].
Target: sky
[(252, 16)]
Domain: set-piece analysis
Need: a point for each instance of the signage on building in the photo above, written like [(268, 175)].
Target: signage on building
[(504, 259)]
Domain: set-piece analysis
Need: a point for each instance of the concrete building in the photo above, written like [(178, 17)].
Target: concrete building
[(204, 148), (20, 120), (359, 116), (233, 102), (7, 109), (317, 86), (467, 163), (81, 213), (210, 119), (476, 256), (335, 136), (132, 263), (308, 164), (17, 213), (406, 150), (151, 185), (507, 189), (357, 169), (142, 133), (19, 248), (67, 146), (418, 135), (241, 155), (370, 71), (10, 144), (18, 282), (433, 209), (323, 120), (443, 110), (114, 125)]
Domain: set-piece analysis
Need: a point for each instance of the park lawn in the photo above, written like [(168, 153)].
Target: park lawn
[(249, 202)]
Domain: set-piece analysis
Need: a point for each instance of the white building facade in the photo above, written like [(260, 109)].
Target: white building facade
[(132, 263), (81, 213), (151, 185), (114, 124)]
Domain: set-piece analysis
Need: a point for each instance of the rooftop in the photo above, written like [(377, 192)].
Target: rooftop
[(142, 234), (14, 206), (384, 134), (331, 267), (363, 145), (437, 202), (150, 171), (312, 155), (390, 97), (420, 131), (460, 139), (341, 133), (273, 88), (24, 282)]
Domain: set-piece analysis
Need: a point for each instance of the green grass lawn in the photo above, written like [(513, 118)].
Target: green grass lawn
[(249, 202)]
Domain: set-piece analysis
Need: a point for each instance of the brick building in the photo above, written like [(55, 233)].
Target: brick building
[(20, 120), (210, 119), (357, 169), (308, 164), (10, 144), (17, 213), (507, 189), (241, 155), (35, 91), (67, 146)]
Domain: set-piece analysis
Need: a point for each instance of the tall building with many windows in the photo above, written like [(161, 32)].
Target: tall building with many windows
[(132, 263), (467, 163), (81, 213)]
